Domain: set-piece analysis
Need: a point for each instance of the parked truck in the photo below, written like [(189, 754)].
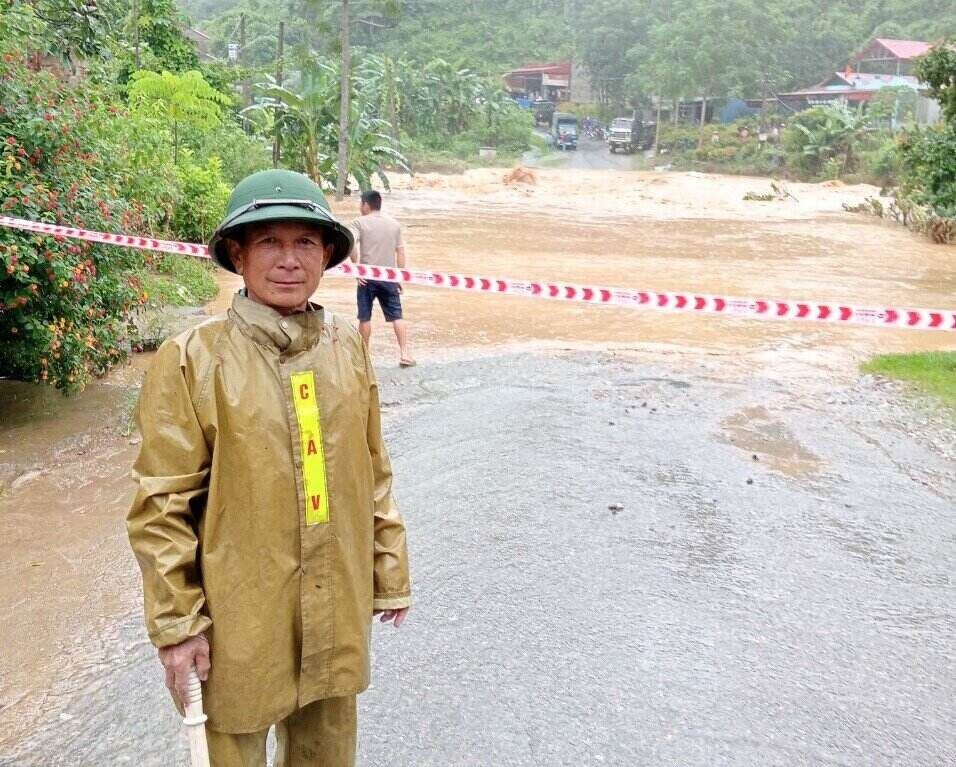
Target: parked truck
[(631, 134), (564, 130)]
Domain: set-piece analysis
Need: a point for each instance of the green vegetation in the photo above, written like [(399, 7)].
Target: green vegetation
[(170, 280), (933, 372), (100, 151), (489, 36), (182, 101), (929, 156)]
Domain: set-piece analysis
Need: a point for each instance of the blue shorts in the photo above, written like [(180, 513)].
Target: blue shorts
[(388, 297)]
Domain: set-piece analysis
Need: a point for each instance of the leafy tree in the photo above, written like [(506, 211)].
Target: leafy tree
[(929, 156), (938, 70), (78, 28), (183, 100), (612, 37), (160, 32)]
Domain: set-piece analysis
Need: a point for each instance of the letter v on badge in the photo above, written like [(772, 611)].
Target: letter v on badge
[(314, 485)]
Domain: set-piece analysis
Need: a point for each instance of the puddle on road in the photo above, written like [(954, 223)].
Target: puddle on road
[(754, 430)]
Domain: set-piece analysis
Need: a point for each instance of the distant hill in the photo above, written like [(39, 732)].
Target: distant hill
[(487, 35)]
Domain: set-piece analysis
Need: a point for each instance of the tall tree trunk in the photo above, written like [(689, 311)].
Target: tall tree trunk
[(344, 108), (391, 98), (703, 119), (277, 143)]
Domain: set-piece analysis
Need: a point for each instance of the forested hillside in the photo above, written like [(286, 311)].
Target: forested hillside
[(490, 36), (632, 47)]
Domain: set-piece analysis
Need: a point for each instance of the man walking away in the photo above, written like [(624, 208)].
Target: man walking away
[(378, 242)]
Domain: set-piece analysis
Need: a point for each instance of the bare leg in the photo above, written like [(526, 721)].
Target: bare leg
[(365, 329), (401, 335)]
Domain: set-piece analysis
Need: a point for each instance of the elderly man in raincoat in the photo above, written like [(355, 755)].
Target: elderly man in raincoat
[(264, 523)]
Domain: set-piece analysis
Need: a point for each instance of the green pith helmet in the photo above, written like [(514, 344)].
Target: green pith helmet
[(279, 195)]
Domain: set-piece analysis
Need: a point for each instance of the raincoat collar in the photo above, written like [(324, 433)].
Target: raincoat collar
[(283, 333)]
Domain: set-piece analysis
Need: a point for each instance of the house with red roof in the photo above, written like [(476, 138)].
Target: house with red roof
[(548, 80), (881, 63), (882, 56)]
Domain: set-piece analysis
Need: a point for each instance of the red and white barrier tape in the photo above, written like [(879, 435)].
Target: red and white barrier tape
[(728, 306)]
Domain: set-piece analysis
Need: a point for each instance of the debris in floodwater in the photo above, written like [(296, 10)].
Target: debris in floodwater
[(750, 481), (616, 507), (521, 175), (756, 457)]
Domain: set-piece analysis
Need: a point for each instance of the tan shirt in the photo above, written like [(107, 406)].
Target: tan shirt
[(377, 235), (221, 524)]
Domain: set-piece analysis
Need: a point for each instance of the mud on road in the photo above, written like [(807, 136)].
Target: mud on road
[(776, 590)]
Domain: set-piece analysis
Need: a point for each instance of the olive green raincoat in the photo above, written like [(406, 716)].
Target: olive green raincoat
[(262, 520)]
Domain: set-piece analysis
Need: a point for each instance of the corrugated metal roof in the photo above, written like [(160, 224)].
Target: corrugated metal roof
[(904, 49), (556, 68), (855, 82)]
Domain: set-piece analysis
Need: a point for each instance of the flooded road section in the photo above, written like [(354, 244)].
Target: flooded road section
[(776, 590), (660, 231)]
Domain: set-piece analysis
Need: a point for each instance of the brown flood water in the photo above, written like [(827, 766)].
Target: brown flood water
[(66, 573)]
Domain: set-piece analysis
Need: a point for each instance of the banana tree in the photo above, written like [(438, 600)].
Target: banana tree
[(383, 82), (371, 150), (303, 117), (308, 118), (838, 135), (454, 93)]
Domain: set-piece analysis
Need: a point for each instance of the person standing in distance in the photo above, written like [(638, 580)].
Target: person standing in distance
[(378, 242)]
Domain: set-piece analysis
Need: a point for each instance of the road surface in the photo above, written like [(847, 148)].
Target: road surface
[(775, 588)]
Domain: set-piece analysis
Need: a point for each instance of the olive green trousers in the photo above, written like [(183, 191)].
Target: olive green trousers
[(322, 734)]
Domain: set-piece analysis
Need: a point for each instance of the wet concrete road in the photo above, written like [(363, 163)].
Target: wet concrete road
[(792, 609)]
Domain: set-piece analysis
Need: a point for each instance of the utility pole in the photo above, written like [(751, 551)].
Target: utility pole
[(344, 107), (657, 126), (276, 146), (763, 100), (241, 58)]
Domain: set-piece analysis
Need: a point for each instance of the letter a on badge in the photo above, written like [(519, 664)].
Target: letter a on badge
[(314, 488)]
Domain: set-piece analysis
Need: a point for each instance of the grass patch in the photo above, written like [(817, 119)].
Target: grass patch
[(933, 372), (179, 281)]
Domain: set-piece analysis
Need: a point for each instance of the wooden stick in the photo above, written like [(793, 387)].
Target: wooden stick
[(195, 721)]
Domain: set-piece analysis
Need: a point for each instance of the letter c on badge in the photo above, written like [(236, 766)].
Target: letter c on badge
[(303, 391)]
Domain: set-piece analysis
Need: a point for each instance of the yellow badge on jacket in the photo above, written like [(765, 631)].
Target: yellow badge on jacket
[(314, 484)]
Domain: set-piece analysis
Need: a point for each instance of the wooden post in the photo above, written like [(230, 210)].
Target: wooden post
[(343, 163), (276, 144)]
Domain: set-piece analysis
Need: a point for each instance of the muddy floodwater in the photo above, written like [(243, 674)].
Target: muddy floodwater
[(773, 584)]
